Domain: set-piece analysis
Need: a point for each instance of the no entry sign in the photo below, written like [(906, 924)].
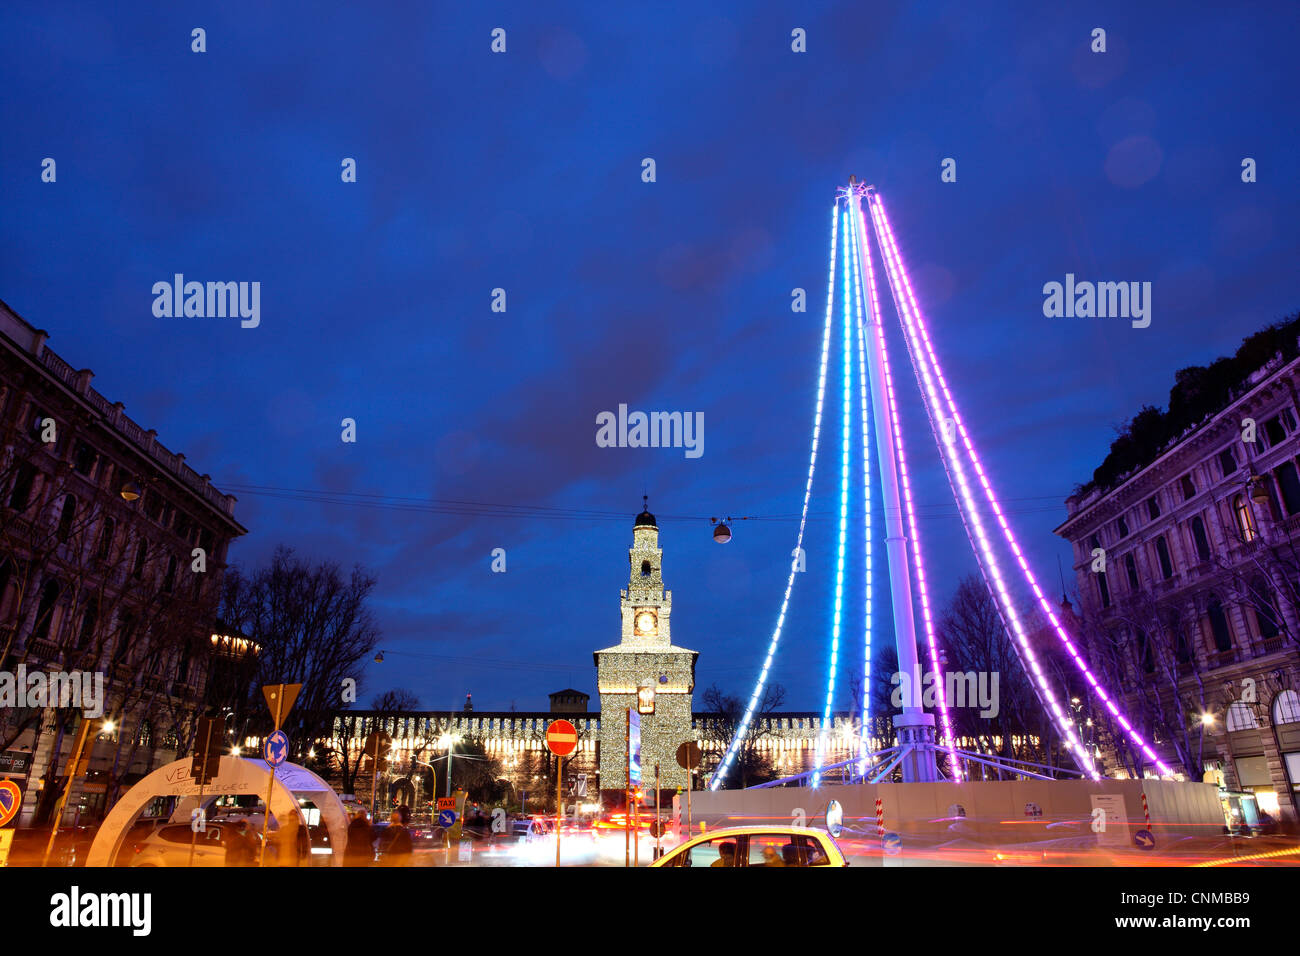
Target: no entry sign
[(561, 738)]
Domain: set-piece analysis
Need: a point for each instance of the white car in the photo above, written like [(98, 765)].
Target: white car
[(757, 846), (170, 846)]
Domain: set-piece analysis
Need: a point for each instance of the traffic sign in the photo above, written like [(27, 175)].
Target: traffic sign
[(446, 819), (279, 699), (578, 785), (446, 803), (689, 755), (11, 801), (1144, 840), (561, 738), (276, 750), (634, 747), (892, 843), (377, 746)]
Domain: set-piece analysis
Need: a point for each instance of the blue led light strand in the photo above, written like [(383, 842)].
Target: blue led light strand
[(837, 614), (756, 696)]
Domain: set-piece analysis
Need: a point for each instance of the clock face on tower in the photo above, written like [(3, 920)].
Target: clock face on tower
[(646, 621)]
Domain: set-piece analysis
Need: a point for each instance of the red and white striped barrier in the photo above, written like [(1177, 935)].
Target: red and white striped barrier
[(880, 817)]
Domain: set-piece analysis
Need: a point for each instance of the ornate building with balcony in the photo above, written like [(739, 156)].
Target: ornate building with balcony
[(112, 551), (1188, 568)]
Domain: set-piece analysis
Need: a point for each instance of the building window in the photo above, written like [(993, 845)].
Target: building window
[(1122, 526), (1166, 563), (1274, 431), (1245, 518), (1265, 608), (645, 569), (141, 551), (1148, 651), (6, 572), (38, 426), (1286, 708), (1103, 589), (1188, 486), (88, 621), (1227, 462), (67, 516), (22, 490), (1175, 627), (1153, 507), (125, 633), (45, 610), (83, 458), (106, 539), (1241, 717), (1219, 626), (1130, 568), (1289, 483), (1266, 483), (1200, 539)]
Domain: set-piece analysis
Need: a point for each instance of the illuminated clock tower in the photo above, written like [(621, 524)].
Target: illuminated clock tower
[(645, 657)]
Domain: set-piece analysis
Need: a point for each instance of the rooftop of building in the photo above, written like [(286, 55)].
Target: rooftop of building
[(1199, 395), (31, 341)]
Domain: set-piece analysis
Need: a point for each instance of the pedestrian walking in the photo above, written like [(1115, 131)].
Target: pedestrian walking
[(360, 850)]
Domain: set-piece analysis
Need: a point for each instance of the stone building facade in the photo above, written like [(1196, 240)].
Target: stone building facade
[(99, 531), (645, 671), (1193, 614)]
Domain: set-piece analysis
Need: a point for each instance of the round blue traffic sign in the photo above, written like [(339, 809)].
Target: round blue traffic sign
[(892, 843), (276, 750), (446, 819), (1144, 840)]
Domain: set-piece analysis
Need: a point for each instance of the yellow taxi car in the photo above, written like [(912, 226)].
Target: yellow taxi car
[(757, 846)]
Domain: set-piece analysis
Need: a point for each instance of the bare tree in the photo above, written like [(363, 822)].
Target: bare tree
[(312, 626), (723, 725)]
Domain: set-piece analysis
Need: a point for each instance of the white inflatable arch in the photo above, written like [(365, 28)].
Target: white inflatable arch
[(237, 775)]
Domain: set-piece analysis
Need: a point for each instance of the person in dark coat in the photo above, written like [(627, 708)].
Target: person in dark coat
[(241, 850), (397, 849), (360, 850)]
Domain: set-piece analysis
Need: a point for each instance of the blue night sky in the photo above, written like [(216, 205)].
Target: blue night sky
[(523, 171)]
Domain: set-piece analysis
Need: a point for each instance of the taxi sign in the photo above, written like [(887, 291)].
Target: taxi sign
[(446, 803), (561, 738)]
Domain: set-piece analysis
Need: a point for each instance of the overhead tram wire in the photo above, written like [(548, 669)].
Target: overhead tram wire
[(459, 507)]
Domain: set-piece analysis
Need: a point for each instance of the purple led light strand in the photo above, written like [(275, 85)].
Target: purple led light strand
[(729, 756), (846, 418), (860, 236), (863, 737), (983, 546), (1028, 573)]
